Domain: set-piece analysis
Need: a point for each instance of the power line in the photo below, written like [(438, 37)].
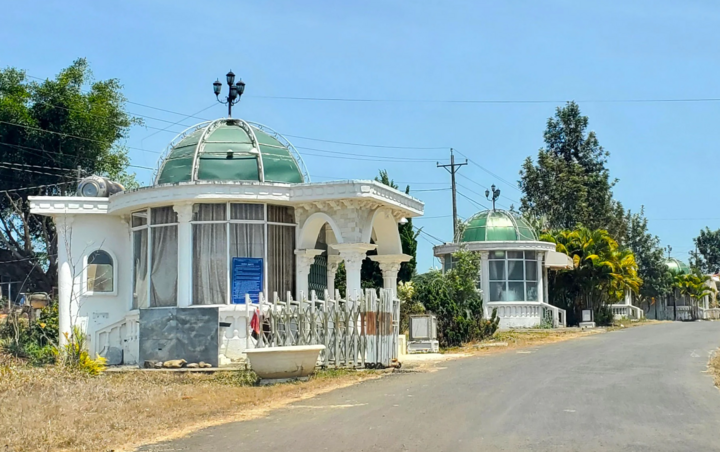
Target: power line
[(486, 188), (363, 155), (36, 186), (510, 184), (472, 200), (383, 146), (421, 231), (372, 159), (28, 148), (2, 165), (430, 218), (431, 189), (488, 101), (69, 135)]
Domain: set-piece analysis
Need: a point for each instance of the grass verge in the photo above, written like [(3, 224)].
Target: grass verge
[(52, 409), (714, 367)]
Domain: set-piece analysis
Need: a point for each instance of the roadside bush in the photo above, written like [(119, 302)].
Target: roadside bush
[(76, 356), (35, 341), (603, 316), (455, 299), (408, 305)]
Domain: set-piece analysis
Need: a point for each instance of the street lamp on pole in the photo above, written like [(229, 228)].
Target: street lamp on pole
[(236, 91), (495, 194)]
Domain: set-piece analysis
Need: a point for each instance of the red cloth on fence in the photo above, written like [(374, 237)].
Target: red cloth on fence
[(255, 322)]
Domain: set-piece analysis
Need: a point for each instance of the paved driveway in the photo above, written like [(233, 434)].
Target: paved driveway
[(640, 389)]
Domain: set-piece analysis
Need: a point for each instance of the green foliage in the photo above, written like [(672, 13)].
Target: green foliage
[(649, 257), (603, 316), (76, 356), (35, 341), (237, 378), (603, 271), (67, 122), (570, 185), (408, 304), (707, 257), (454, 298)]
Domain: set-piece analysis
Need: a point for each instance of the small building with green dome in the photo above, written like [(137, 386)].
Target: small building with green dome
[(231, 216), (514, 266)]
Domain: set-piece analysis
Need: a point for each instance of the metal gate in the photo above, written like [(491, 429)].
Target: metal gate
[(361, 332)]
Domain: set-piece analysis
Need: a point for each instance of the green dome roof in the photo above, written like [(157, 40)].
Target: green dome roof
[(497, 226), (230, 150), (677, 267)]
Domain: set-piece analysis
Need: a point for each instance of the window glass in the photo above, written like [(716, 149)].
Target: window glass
[(163, 215), (247, 211), (516, 291), (497, 270), (515, 270), (164, 262), (139, 218), (100, 276), (246, 240), (497, 291), (532, 291), (497, 254), (515, 254), (209, 212), (140, 258), (210, 263), (530, 255), (531, 271), (281, 259), (281, 214)]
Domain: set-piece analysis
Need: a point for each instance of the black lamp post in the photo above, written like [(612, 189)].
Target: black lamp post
[(495, 194), (236, 91)]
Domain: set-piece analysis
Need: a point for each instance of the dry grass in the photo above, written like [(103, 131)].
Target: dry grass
[(50, 409), (714, 367)]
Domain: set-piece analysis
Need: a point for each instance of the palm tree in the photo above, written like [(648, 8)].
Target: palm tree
[(602, 271)]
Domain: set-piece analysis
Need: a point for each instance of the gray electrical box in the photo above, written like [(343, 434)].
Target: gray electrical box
[(423, 334)]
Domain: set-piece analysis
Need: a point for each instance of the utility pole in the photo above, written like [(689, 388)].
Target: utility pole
[(453, 168)]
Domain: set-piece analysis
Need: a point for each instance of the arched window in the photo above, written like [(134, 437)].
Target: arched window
[(100, 272)]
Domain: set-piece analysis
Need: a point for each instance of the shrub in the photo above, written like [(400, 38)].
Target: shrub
[(455, 299), (77, 357), (603, 316)]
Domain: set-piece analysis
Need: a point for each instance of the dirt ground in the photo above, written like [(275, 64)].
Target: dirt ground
[(50, 409), (714, 367)]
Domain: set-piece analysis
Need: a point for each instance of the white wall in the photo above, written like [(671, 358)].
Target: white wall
[(95, 311)]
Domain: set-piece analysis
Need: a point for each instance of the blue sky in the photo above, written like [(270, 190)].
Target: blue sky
[(167, 54)]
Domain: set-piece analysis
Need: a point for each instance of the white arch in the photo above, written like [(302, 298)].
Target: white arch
[(383, 223), (311, 228)]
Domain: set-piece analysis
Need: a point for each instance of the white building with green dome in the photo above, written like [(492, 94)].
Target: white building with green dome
[(232, 213), (514, 270)]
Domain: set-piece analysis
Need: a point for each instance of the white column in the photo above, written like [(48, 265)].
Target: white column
[(333, 261), (546, 284), (353, 254), (304, 259), (390, 266), (185, 254), (485, 276), (63, 226), (540, 277)]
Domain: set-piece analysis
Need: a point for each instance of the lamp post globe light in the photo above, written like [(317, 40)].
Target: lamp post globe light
[(234, 94), (495, 194)]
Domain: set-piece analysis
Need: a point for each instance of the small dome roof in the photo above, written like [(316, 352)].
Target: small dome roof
[(676, 266), (231, 150), (497, 226)]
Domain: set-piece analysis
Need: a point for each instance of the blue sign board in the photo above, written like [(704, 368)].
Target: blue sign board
[(247, 278)]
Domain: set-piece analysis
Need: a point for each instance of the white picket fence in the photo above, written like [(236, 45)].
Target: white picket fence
[(361, 331)]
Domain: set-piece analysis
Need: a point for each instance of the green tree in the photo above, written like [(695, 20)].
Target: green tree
[(62, 124), (454, 298), (570, 184), (602, 272), (707, 257), (649, 257)]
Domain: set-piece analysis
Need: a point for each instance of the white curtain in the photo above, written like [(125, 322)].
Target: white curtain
[(140, 253), (164, 258), (281, 259), (246, 240), (247, 211), (210, 265)]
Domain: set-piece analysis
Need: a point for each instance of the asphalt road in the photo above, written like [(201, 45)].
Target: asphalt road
[(640, 389)]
